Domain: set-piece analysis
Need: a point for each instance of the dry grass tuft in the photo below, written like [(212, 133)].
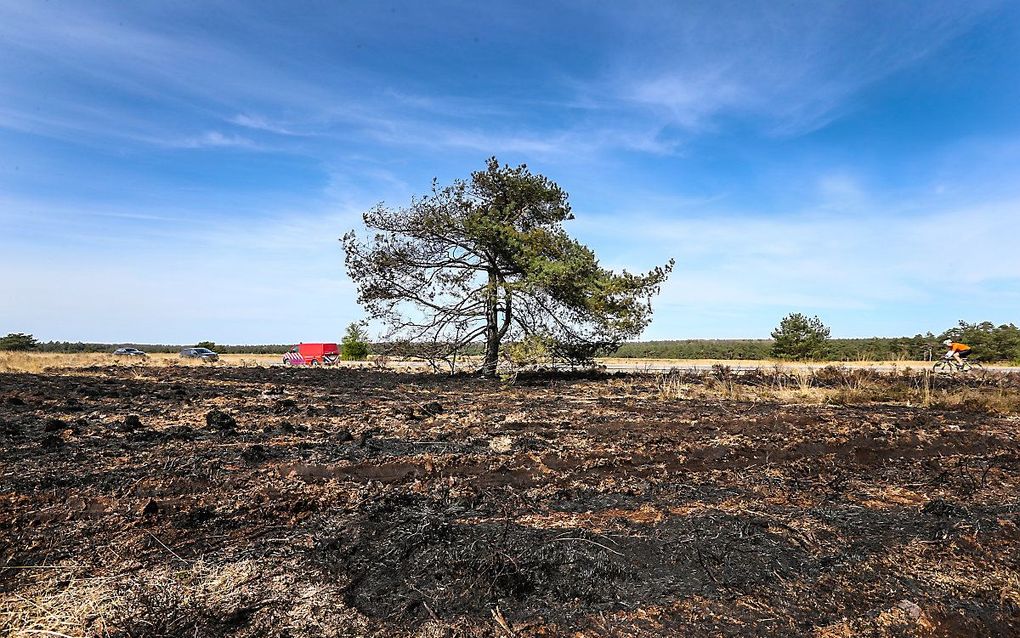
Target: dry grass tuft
[(43, 362), (157, 602), (200, 599), (990, 392), (672, 387)]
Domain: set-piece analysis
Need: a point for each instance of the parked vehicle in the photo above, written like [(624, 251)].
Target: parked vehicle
[(312, 354), (129, 352), (205, 354)]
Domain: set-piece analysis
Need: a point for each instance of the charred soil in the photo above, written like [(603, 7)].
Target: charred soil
[(289, 502)]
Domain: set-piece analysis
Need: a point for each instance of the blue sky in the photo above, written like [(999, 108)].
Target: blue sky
[(180, 171)]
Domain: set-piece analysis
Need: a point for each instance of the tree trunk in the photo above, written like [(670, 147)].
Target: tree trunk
[(492, 335)]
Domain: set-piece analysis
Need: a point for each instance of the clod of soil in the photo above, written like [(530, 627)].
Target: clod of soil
[(283, 427), (131, 423), (220, 420), (72, 405), (179, 432), (51, 441), (944, 509), (284, 406), (432, 408), (55, 425), (254, 454)]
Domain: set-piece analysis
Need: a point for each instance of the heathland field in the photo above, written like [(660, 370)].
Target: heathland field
[(247, 500), (53, 361)]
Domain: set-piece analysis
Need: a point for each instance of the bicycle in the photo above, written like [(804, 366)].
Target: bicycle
[(950, 366)]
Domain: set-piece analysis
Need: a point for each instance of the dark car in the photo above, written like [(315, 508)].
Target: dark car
[(129, 352), (205, 354)]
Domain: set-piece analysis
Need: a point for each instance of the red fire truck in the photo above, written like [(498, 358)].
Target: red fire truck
[(312, 354)]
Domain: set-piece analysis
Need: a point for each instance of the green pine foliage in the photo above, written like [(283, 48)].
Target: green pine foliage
[(730, 349), (18, 341), (354, 346), (800, 338)]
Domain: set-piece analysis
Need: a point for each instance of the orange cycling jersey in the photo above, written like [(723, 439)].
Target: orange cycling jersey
[(959, 347)]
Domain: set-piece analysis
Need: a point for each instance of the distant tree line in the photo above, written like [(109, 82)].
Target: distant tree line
[(79, 346), (990, 343), (18, 341), (696, 349)]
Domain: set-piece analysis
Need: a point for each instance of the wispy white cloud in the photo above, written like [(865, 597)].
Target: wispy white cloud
[(260, 123), (214, 139), (691, 101), (796, 67), (674, 66)]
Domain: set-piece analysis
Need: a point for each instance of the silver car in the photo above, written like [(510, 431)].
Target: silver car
[(205, 354), (129, 352)]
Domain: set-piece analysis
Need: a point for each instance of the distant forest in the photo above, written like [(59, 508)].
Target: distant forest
[(875, 349), (871, 349), (990, 343), (78, 346)]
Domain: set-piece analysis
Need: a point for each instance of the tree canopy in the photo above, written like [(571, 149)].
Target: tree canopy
[(354, 346), (18, 341), (487, 260), (800, 337)]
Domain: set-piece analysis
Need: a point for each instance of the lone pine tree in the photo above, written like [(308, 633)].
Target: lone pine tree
[(487, 259)]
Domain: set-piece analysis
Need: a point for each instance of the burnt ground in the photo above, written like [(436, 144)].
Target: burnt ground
[(290, 502)]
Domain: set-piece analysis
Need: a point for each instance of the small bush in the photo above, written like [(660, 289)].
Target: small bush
[(354, 346), (799, 337)]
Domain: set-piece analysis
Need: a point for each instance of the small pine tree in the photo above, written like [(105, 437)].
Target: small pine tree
[(209, 345), (799, 337), (354, 346), (18, 341)]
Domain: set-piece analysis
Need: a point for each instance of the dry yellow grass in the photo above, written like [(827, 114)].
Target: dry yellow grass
[(760, 363), (36, 362), (46, 361), (843, 385), (151, 602), (39, 362)]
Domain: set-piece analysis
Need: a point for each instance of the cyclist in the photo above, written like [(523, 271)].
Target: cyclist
[(957, 351)]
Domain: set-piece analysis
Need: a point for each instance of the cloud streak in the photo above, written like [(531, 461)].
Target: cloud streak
[(215, 139), (796, 67)]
